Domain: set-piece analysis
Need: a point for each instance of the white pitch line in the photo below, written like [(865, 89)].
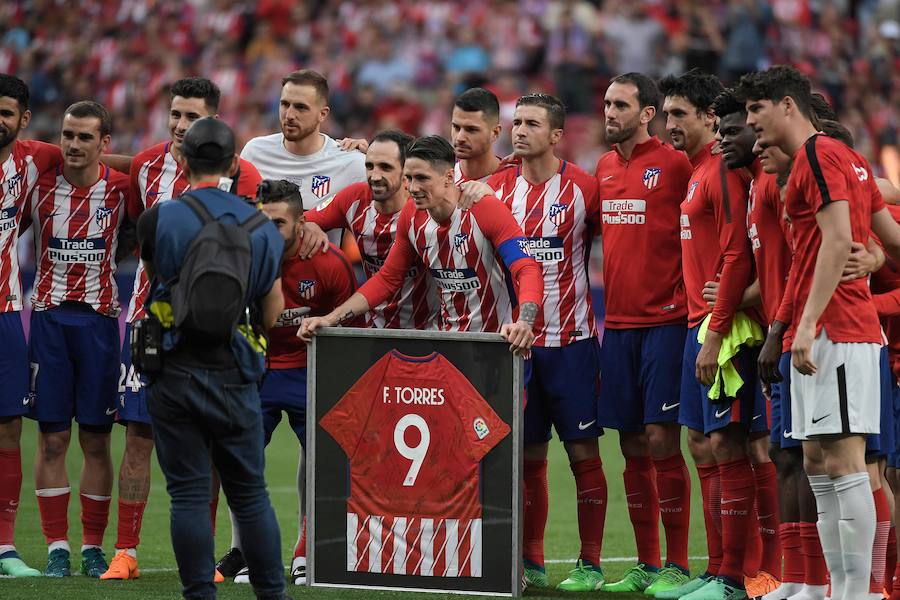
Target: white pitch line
[(551, 561)]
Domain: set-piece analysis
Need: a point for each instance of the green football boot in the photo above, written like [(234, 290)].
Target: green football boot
[(636, 579), (688, 587), (93, 562), (718, 589), (535, 575), (669, 578), (58, 564), (585, 577), (12, 565)]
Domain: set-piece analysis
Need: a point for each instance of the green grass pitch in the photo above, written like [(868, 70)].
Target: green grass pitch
[(159, 579)]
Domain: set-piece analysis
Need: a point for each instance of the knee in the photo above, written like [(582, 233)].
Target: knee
[(10, 432), (138, 445), (579, 450), (95, 446), (760, 450), (536, 451), (634, 445), (664, 440), (726, 447), (699, 447), (54, 445)]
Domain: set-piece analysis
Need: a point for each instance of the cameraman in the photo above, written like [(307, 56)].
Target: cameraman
[(204, 397)]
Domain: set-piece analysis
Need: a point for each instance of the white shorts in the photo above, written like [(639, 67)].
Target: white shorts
[(844, 394)]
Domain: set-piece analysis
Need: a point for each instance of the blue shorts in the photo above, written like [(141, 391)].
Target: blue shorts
[(698, 413), (780, 411), (882, 444), (284, 390), (132, 397), (14, 398), (73, 352), (640, 376), (893, 459), (563, 392)]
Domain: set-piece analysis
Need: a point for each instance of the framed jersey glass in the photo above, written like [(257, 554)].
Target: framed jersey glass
[(413, 460)]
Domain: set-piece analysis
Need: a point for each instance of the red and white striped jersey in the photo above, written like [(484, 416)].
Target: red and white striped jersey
[(559, 217), (465, 257), (460, 177), (414, 305), (157, 176), (76, 233), (18, 175), (414, 431)]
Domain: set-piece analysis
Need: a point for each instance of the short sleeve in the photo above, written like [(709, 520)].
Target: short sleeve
[(482, 426), (346, 421), (248, 180), (331, 214), (825, 178)]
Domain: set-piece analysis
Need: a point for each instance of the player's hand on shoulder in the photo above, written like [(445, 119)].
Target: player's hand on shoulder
[(472, 192), (710, 292), (312, 240), (309, 326), (349, 144), (520, 336)]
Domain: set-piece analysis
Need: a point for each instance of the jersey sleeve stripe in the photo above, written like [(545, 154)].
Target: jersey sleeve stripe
[(817, 169), (726, 193)]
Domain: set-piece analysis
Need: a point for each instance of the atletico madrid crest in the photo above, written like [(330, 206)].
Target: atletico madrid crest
[(103, 217), (461, 242), (651, 177), (557, 213), (321, 184), (307, 288)]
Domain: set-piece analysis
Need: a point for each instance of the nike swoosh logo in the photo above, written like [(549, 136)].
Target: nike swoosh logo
[(719, 415), (764, 516), (667, 500), (634, 494), (667, 407), (756, 417), (583, 426), (608, 177), (787, 434), (820, 418), (732, 500), (110, 411)]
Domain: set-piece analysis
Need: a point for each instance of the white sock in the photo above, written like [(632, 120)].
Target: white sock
[(786, 589), (857, 531), (810, 592), (132, 552), (829, 511), (52, 492), (89, 546), (58, 544), (235, 531), (7, 548)]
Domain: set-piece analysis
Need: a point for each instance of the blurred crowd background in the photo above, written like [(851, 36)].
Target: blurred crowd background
[(399, 63)]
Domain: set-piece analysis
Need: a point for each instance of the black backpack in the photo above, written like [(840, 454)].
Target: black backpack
[(209, 296)]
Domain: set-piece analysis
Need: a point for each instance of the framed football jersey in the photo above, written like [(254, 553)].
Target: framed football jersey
[(413, 460)]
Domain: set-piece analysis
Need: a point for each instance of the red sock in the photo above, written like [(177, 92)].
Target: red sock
[(793, 554), (879, 548), (643, 508), (674, 484), (130, 516), (753, 551), (10, 487), (213, 508), (536, 508), (710, 490), (54, 516), (895, 592), (813, 559), (890, 563), (300, 548), (738, 518), (590, 484), (94, 518), (767, 513)]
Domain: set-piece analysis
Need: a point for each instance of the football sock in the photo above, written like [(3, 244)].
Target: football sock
[(791, 545), (814, 567), (879, 548), (128, 534), (673, 483), (10, 488), (300, 548), (828, 508), (895, 592), (94, 518), (890, 563), (535, 513), (767, 514), (53, 504), (753, 551), (710, 490), (643, 508), (590, 485), (856, 528), (738, 518)]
